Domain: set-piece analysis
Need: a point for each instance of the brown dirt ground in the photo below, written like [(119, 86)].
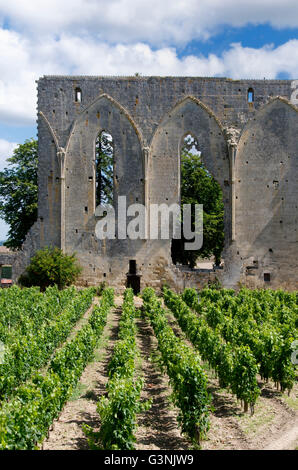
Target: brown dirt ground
[(274, 424), (157, 427), (66, 432)]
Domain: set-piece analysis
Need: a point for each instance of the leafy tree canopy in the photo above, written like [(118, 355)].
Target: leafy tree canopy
[(104, 169), (19, 192), (49, 267)]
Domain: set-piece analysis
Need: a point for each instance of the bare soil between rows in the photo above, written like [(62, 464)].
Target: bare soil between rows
[(67, 431)]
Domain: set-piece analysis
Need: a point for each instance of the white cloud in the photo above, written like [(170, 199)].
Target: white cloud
[(168, 22), (22, 61), (236, 62), (266, 62), (6, 151)]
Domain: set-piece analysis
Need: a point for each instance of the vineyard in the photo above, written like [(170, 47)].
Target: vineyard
[(84, 369)]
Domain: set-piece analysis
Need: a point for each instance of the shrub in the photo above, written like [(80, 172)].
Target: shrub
[(49, 267)]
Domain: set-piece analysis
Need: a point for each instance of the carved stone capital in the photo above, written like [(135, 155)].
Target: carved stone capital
[(232, 136)]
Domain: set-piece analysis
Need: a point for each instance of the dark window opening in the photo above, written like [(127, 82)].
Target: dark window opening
[(78, 95), (132, 266), (250, 95), (104, 169), (6, 272), (267, 277)]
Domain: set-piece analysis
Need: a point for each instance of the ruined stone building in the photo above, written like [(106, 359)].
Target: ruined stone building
[(248, 134)]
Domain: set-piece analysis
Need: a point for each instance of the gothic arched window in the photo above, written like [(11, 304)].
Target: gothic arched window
[(104, 168)]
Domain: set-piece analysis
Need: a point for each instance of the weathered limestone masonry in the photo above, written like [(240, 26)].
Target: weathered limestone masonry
[(250, 147)]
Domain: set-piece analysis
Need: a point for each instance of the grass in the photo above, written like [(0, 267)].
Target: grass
[(292, 402), (102, 344), (78, 391), (99, 354), (251, 425)]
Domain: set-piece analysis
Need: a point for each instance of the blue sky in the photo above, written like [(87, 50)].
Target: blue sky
[(236, 39)]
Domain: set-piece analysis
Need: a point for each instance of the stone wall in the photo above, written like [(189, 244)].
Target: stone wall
[(249, 147)]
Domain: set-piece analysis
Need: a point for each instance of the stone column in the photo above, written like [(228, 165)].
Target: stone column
[(232, 155), (61, 161), (232, 138), (146, 189)]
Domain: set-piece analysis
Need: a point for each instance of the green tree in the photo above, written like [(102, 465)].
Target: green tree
[(104, 169), (199, 187), (49, 267), (18, 192)]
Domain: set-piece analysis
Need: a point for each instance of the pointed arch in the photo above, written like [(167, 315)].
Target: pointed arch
[(283, 100), (265, 106), (189, 116), (114, 102), (266, 180), (179, 104), (103, 114), (205, 126)]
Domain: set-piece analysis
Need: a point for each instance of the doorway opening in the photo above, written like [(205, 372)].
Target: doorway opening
[(133, 278)]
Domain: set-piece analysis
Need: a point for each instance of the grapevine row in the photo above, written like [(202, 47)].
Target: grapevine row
[(187, 378), (269, 339), (25, 420), (235, 366), (119, 409), (24, 311), (27, 353)]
